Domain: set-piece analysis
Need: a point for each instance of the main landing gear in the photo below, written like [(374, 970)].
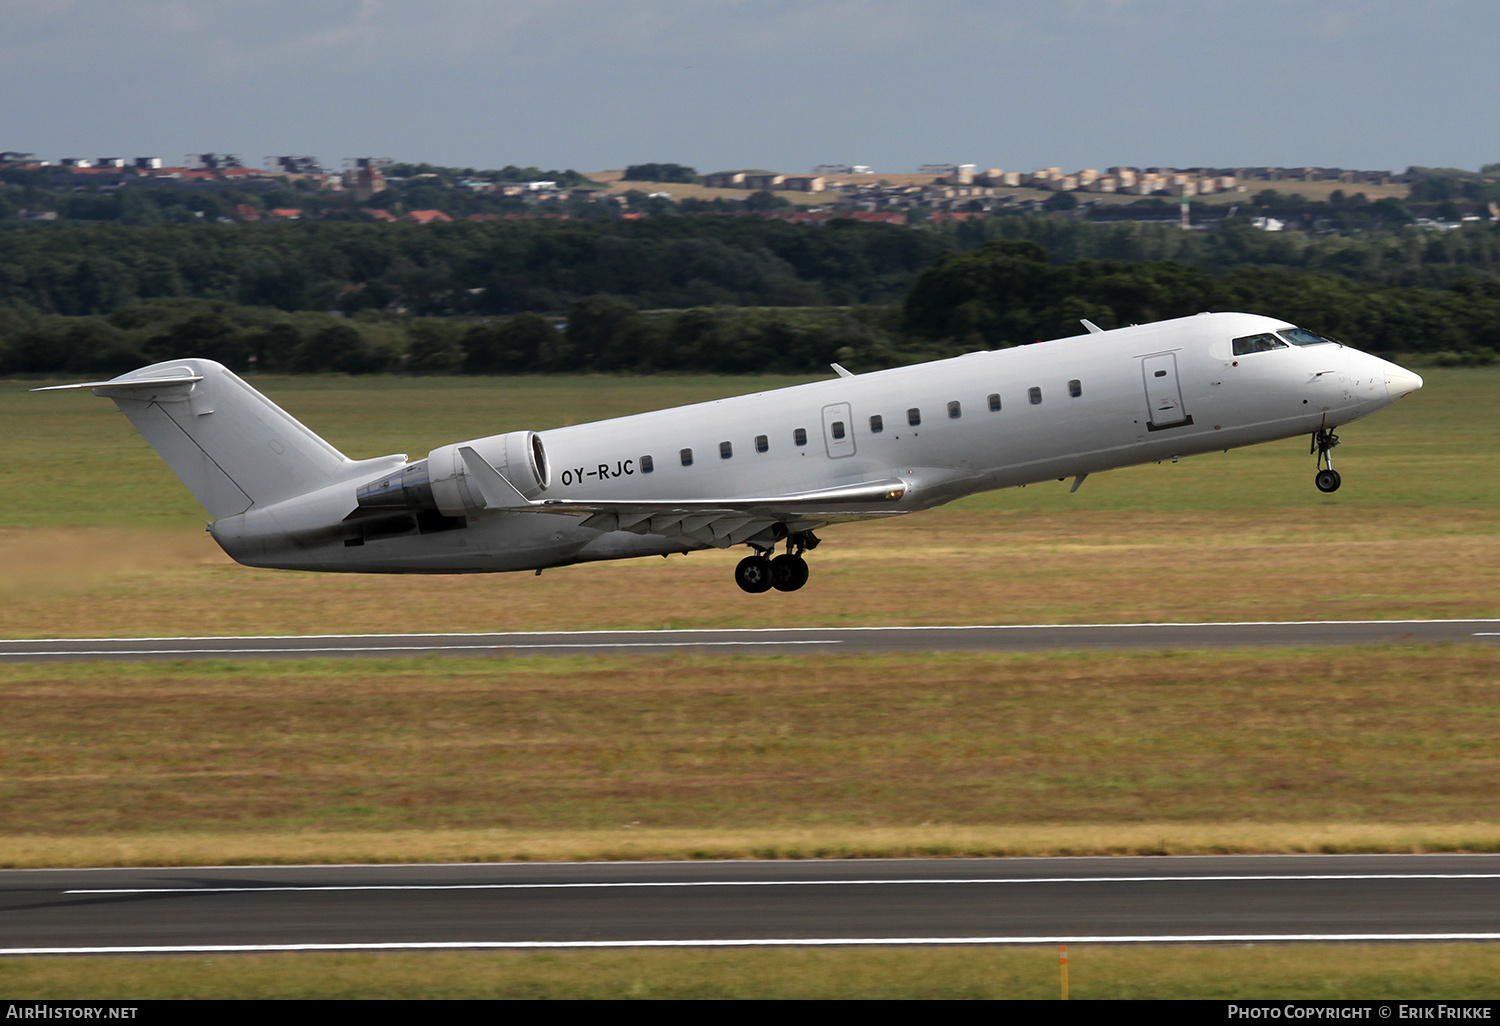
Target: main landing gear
[(786, 572), (1323, 442)]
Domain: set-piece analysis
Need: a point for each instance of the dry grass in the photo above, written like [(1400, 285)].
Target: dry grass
[(758, 755), (945, 567), (100, 540), (476, 759), (632, 843), (1285, 972)]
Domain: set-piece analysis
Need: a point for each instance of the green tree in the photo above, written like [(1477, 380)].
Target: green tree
[(518, 344), (660, 173), (434, 346), (765, 200)]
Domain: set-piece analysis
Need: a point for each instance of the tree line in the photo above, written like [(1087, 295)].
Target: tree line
[(1408, 257), (463, 269), (1010, 292), (1005, 293), (597, 333), (508, 267)]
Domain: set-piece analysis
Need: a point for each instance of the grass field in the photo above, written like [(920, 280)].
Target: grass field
[(1372, 749), (1332, 750), (97, 537), (1290, 972)]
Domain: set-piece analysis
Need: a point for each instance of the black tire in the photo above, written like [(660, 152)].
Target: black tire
[(1328, 480), (753, 574), (788, 572)]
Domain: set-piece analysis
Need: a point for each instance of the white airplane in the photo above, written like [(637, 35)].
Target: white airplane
[(757, 470)]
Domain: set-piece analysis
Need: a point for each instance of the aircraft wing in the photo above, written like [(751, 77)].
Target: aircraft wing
[(720, 522)]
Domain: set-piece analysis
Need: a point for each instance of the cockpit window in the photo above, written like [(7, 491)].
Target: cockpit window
[(1303, 337), (1257, 344)]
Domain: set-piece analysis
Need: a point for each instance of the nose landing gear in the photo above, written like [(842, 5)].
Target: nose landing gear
[(787, 572), (1323, 443)]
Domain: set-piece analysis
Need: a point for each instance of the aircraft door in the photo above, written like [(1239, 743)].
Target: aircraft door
[(1163, 392), (838, 430)]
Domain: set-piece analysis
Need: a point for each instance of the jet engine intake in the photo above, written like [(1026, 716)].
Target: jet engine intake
[(519, 456), (441, 481)]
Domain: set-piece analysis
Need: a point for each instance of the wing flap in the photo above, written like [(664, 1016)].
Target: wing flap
[(719, 522)]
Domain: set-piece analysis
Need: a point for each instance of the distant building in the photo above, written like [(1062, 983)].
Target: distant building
[(293, 164), (284, 214), (763, 180), (353, 164), (76, 162), (804, 183), (212, 161), (426, 216), (368, 181), (110, 162), (146, 163)]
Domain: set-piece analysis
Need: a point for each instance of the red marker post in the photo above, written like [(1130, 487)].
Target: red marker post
[(1062, 962)]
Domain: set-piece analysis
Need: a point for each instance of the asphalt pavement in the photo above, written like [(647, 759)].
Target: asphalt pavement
[(990, 638), (903, 901)]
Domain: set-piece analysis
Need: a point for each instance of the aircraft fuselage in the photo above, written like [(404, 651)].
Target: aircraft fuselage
[(945, 429)]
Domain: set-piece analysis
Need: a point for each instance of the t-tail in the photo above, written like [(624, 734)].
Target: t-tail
[(233, 448)]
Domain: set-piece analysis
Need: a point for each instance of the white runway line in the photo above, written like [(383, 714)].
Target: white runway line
[(782, 883), (495, 647), (789, 942), (774, 630)]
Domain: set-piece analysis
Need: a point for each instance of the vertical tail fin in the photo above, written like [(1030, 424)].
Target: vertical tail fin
[(231, 446)]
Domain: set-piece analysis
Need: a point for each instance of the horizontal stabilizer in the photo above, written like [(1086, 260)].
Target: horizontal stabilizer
[(127, 386)]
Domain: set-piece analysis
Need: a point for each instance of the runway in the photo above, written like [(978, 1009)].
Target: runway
[(991, 638), (968, 901)]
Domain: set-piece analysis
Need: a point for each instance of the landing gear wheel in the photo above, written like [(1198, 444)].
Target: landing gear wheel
[(1323, 443), (753, 574), (788, 572)]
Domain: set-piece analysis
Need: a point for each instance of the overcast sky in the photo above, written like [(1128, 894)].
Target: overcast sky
[(782, 84)]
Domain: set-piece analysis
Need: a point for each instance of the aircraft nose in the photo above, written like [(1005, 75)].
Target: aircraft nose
[(1400, 382)]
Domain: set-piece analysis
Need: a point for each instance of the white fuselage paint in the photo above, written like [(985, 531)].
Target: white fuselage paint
[(1126, 413)]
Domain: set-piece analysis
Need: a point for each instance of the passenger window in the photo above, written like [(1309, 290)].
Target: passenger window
[(725, 450), (687, 457), (1035, 394), (994, 402), (1262, 343), (800, 436), (838, 429), (647, 465), (762, 443), (1075, 388), (877, 424), (955, 410), (914, 416)]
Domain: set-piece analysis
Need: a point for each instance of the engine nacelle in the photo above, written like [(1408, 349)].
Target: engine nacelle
[(441, 481), (519, 456)]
